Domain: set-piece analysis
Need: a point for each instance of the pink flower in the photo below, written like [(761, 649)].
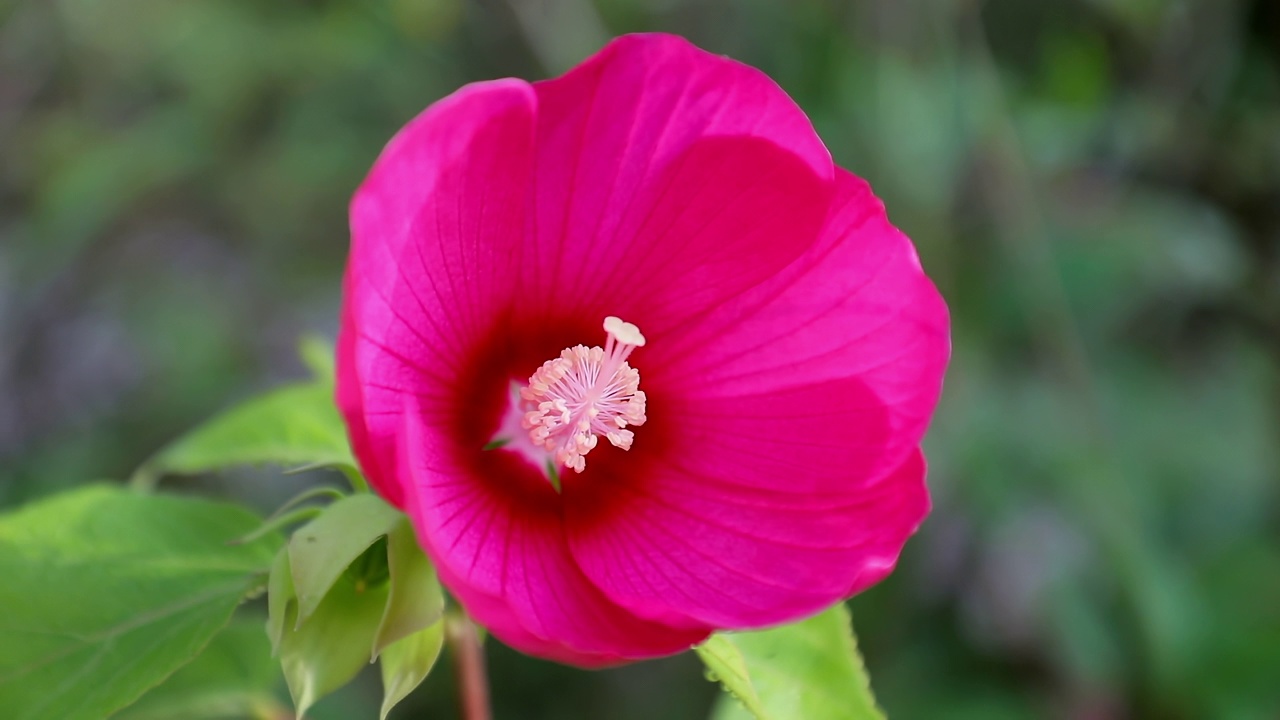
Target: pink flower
[(742, 451)]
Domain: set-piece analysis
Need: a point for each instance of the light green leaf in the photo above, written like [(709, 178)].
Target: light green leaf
[(406, 663), (233, 678), (317, 355), (321, 550), (726, 665), (107, 592), (293, 425), (327, 650), (416, 600), (810, 669)]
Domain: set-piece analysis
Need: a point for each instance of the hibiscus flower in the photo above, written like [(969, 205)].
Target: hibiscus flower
[(637, 360)]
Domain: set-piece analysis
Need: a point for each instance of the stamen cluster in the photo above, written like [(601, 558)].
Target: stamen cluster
[(586, 392)]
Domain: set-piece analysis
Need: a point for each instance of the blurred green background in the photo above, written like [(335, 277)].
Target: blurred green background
[(1094, 185)]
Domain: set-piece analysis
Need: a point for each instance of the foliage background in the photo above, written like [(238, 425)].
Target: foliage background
[(1094, 184)]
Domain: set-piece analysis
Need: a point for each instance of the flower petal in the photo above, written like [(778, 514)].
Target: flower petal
[(432, 264), (492, 612), (780, 469), (857, 305), (494, 528), (667, 179), (673, 545)]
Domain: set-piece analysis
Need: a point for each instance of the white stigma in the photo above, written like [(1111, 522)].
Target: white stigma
[(586, 392)]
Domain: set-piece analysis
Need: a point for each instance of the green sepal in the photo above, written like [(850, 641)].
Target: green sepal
[(416, 600), (351, 585), (323, 549), (329, 649), (406, 662), (280, 599)]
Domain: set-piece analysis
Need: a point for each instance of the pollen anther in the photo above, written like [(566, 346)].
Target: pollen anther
[(584, 393)]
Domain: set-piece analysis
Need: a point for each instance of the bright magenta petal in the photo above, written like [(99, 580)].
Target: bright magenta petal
[(434, 228), (856, 309), (667, 179), (490, 611), (780, 472), (494, 527), (677, 546)]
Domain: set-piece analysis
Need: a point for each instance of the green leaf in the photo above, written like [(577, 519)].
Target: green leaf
[(327, 650), (416, 600), (317, 355), (810, 670), (321, 550), (406, 663), (106, 593), (293, 425), (726, 665), (233, 678)]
